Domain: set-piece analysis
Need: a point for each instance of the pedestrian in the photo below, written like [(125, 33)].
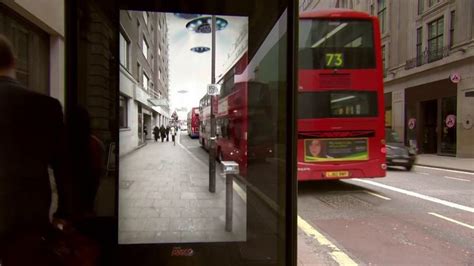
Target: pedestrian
[(163, 133), (156, 133), (145, 131), (27, 151), (168, 132), (173, 135)]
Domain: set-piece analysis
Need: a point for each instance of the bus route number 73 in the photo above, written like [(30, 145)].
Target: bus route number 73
[(334, 60)]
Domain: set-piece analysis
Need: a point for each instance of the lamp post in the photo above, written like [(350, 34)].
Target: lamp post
[(212, 139)]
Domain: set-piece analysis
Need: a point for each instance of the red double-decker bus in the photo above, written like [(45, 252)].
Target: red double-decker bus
[(340, 96), (193, 122), (205, 121)]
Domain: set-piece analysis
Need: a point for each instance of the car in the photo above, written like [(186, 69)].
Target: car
[(184, 127), (397, 153)]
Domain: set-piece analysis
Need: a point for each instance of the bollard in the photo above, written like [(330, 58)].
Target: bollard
[(230, 169), (229, 196)]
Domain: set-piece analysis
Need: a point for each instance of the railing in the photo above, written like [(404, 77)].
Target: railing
[(427, 57)]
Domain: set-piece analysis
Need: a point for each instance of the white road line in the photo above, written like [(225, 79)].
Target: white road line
[(421, 173), (240, 192), (418, 195), (377, 195), (452, 220), (456, 178), (447, 170), (339, 256)]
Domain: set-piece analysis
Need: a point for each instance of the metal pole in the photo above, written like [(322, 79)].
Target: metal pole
[(229, 196), (212, 139)]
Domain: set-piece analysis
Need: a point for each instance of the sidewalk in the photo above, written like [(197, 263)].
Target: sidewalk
[(445, 162), (164, 198)]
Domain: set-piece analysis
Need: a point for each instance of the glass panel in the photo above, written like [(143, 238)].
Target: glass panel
[(329, 104), (449, 121), (335, 44), (440, 26)]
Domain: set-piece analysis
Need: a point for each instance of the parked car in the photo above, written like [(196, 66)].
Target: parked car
[(397, 153), (183, 127)]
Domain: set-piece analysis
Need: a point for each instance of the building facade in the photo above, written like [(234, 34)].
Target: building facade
[(38, 39), (428, 53), (144, 77)]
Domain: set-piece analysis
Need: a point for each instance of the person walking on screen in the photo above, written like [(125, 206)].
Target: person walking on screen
[(163, 133), (173, 135), (156, 133)]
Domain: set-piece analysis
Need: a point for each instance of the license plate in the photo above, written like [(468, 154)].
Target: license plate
[(400, 161), (337, 174)]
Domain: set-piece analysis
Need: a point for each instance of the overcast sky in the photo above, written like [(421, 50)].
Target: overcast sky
[(191, 71)]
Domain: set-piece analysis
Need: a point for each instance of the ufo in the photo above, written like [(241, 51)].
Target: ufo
[(187, 16), (203, 24), (182, 91), (200, 49)]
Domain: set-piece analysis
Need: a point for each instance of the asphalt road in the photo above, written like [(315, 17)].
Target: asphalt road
[(421, 217)]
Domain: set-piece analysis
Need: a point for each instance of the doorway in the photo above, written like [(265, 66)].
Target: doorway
[(428, 126)]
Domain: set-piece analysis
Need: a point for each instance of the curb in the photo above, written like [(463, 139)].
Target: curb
[(133, 150), (446, 168)]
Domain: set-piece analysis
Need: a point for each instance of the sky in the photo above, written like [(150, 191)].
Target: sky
[(191, 71)]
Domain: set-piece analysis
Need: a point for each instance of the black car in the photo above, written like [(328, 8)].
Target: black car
[(397, 153)]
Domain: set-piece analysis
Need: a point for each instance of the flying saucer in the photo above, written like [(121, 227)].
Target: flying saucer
[(203, 24), (200, 49)]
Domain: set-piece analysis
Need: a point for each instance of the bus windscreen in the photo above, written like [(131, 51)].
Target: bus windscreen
[(336, 44)]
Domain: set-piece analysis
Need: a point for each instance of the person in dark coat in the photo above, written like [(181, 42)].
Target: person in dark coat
[(156, 133), (168, 128), (27, 149), (163, 133)]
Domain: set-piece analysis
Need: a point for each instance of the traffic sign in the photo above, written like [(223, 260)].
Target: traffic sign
[(411, 123), (450, 121), (455, 77), (213, 89)]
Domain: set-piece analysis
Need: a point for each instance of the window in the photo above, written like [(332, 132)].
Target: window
[(145, 17), (145, 82), (382, 14), (123, 116), (435, 39), (139, 71), (145, 48), (332, 104), (419, 52), (384, 62), (451, 28), (420, 6), (124, 50)]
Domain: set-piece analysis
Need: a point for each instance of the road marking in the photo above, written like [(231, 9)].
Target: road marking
[(447, 170), (377, 195), (421, 173), (240, 192), (456, 178), (338, 255), (418, 195), (451, 220)]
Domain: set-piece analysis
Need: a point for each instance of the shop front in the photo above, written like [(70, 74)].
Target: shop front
[(430, 117)]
